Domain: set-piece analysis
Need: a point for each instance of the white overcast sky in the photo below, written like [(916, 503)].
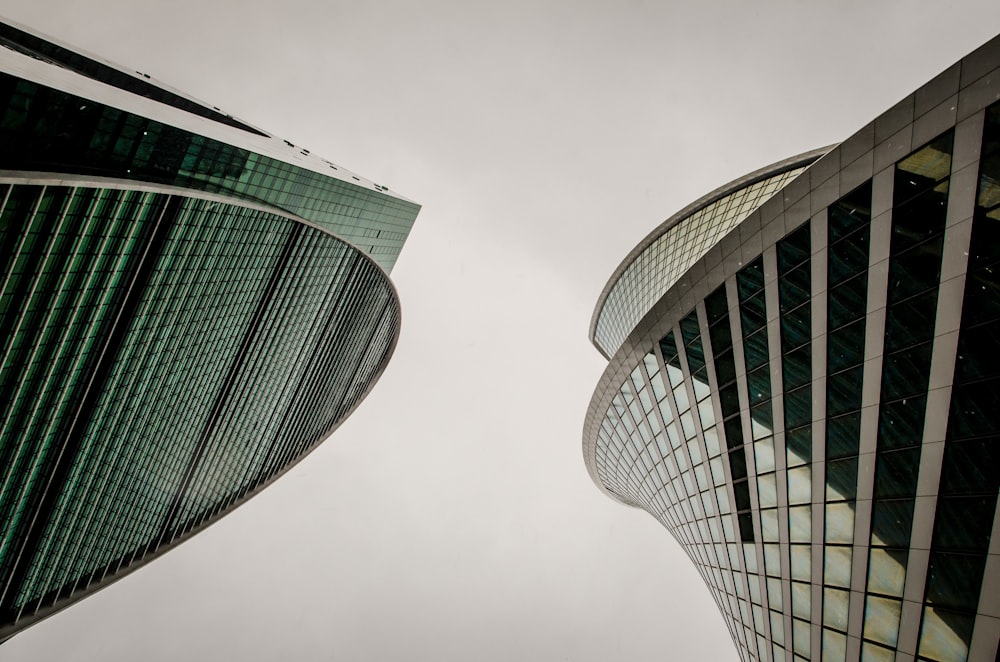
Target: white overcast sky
[(451, 517)]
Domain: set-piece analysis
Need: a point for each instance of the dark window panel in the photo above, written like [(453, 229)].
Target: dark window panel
[(797, 367), (953, 580), (905, 373), (793, 249), (738, 465), (848, 258), (796, 327), (794, 288), (755, 348), (851, 212), (974, 410), (910, 322), (843, 391), (982, 297), (689, 327), (669, 350), (891, 522), (734, 432), (842, 435), (842, 476), (846, 347), (761, 414), (847, 301), (991, 130), (716, 305), (729, 398), (750, 279), (896, 473), (978, 353), (696, 357), (984, 249), (720, 336), (746, 527), (799, 442), (963, 523), (920, 219), (798, 407), (725, 370), (915, 271), (759, 385), (753, 313), (742, 494), (970, 467), (901, 423)]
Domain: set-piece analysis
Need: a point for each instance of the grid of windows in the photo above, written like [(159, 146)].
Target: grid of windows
[(128, 318), (182, 317), (919, 211), (848, 238), (794, 295), (967, 493), (670, 255), (661, 429), (811, 492)]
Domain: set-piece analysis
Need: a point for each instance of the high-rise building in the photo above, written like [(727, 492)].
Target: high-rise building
[(188, 306), (803, 387)]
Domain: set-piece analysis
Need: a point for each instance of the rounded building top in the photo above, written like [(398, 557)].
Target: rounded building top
[(667, 252)]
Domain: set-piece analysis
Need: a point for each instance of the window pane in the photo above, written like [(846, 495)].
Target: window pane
[(887, 571), (834, 646), (945, 635), (800, 485), (837, 568), (840, 523), (800, 524), (835, 605), (882, 620)]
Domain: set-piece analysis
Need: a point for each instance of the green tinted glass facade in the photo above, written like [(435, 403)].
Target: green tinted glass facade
[(812, 412), (46, 130), (181, 320)]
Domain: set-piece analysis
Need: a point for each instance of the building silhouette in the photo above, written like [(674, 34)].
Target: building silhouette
[(805, 390), (188, 306)]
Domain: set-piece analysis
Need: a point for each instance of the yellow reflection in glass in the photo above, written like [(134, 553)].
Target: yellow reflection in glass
[(835, 605), (873, 653), (928, 162), (882, 620), (837, 571), (886, 572), (840, 523), (938, 641)]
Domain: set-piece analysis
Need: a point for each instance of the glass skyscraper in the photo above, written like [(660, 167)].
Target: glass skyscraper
[(808, 397), (188, 306)]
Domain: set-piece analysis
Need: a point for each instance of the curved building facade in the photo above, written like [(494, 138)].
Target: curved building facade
[(188, 306), (811, 407), (664, 256)]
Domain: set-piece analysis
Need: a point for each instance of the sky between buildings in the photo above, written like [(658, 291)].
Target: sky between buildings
[(451, 517)]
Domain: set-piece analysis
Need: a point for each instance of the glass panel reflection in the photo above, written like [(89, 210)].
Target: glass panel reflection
[(835, 603), (837, 567), (882, 619), (840, 523)]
